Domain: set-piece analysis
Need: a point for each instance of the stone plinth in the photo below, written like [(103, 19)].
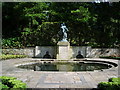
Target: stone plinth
[(63, 50)]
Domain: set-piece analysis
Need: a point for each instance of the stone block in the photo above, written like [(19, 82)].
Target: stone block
[(63, 50), (63, 43)]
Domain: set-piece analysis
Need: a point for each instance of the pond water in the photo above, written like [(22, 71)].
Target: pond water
[(65, 66)]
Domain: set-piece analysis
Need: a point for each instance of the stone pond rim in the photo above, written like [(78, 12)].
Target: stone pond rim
[(95, 61)]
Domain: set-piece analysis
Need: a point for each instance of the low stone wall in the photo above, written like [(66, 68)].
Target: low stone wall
[(85, 50), (96, 52), (27, 51), (40, 51)]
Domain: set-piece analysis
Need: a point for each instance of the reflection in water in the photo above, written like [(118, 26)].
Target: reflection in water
[(67, 66)]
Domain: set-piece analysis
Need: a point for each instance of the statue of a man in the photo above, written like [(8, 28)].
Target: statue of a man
[(64, 31)]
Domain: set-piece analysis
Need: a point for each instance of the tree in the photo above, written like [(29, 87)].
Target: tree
[(39, 23)]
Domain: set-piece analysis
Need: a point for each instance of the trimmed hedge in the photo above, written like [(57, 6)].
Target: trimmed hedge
[(3, 57), (12, 82), (113, 84)]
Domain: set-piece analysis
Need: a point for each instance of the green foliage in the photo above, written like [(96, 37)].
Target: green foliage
[(113, 84), (109, 86), (37, 37), (11, 43), (38, 23), (114, 80), (3, 86), (11, 82), (4, 57), (82, 13), (17, 84)]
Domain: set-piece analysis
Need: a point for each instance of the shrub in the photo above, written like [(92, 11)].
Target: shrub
[(3, 57), (109, 86), (114, 80), (113, 84), (11, 82), (3, 86)]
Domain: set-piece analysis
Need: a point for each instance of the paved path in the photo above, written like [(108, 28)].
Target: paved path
[(42, 79)]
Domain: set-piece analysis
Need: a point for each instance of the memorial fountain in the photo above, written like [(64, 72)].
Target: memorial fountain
[(62, 50), (64, 60)]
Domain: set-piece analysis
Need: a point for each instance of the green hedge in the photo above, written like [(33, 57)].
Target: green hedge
[(12, 82), (3, 57), (113, 84)]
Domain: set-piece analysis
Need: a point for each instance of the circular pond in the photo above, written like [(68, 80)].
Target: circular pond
[(65, 66)]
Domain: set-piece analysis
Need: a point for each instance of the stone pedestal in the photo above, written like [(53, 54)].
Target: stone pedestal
[(63, 50)]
